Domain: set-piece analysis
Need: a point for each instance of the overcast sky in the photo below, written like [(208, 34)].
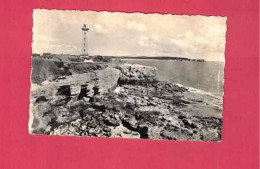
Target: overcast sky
[(130, 34)]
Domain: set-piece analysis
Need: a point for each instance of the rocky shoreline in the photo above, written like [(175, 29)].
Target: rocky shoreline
[(123, 100)]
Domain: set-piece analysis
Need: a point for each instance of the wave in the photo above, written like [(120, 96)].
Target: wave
[(199, 91)]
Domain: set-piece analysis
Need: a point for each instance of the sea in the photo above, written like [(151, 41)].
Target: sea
[(204, 76)]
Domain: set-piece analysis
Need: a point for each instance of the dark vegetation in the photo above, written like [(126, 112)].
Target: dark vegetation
[(44, 69), (50, 67)]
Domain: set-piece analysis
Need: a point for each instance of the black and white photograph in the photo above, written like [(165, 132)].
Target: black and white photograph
[(128, 75)]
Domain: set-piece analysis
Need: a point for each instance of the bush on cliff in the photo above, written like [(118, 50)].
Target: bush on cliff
[(44, 69)]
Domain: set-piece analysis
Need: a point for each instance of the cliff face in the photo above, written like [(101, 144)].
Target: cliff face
[(123, 101)]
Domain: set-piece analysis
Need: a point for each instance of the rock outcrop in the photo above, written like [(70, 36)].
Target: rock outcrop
[(127, 101), (136, 74)]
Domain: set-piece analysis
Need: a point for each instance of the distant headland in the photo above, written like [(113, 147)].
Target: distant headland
[(123, 57), (157, 58)]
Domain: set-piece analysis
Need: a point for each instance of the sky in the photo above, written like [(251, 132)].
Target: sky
[(130, 34)]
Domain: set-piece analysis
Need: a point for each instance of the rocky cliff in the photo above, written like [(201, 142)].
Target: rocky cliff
[(124, 101)]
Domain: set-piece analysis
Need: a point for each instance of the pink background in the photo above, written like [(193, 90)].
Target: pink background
[(239, 146)]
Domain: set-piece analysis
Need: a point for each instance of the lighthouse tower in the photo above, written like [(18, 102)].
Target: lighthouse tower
[(84, 51)]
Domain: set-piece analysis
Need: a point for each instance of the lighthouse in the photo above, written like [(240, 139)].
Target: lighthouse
[(84, 47)]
